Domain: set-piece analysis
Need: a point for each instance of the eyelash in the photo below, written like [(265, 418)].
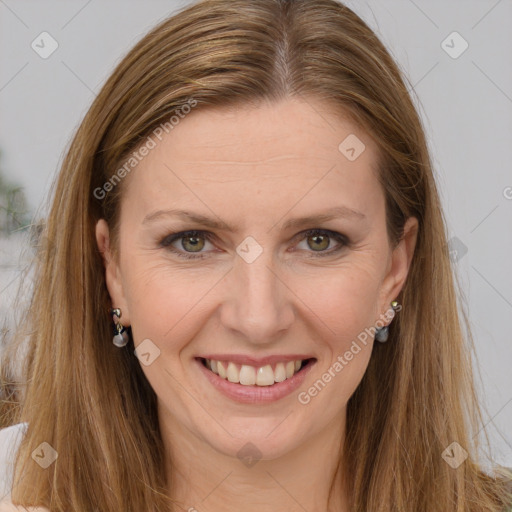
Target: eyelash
[(169, 239)]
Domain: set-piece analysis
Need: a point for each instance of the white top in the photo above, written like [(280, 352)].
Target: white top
[(10, 439)]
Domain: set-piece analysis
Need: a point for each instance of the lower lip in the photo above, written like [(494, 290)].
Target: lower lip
[(256, 394)]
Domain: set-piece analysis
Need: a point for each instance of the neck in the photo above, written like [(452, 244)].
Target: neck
[(201, 479)]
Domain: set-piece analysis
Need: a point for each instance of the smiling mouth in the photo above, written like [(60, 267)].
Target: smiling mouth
[(247, 375)]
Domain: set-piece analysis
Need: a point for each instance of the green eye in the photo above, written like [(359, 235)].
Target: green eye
[(321, 242), (318, 240), (193, 243)]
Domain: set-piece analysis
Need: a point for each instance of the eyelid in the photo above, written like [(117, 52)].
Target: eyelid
[(167, 241), (170, 238), (342, 239)]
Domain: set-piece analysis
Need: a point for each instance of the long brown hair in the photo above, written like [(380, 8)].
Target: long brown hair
[(91, 401)]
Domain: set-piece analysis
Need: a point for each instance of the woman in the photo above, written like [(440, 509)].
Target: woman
[(250, 204)]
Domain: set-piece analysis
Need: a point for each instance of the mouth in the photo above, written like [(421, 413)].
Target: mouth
[(255, 383), (250, 375)]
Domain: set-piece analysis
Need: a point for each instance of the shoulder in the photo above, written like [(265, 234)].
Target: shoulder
[(7, 506), (10, 439), (12, 431)]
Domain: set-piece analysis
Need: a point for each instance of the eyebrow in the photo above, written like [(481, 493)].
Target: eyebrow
[(327, 215)]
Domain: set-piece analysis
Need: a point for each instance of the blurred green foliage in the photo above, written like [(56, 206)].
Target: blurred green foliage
[(14, 212)]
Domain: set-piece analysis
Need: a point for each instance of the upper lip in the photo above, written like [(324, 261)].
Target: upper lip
[(256, 361)]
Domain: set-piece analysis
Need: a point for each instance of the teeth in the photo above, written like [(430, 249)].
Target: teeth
[(279, 373), (265, 376), (221, 369), (290, 369), (249, 375), (233, 373)]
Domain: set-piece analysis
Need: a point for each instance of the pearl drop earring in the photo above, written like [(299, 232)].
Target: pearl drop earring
[(121, 337), (382, 333)]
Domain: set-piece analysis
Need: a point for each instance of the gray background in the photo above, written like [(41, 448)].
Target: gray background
[(465, 102)]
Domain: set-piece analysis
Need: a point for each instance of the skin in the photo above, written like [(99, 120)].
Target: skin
[(255, 168)]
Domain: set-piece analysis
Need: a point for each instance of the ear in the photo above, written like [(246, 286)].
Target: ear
[(399, 264), (113, 275)]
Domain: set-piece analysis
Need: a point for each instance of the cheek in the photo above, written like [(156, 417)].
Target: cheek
[(346, 301), (168, 308), (173, 307), (169, 303), (347, 307), (165, 304)]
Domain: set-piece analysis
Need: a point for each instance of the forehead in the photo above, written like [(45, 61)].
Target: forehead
[(283, 155)]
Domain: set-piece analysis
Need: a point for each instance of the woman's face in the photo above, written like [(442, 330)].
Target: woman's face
[(250, 288)]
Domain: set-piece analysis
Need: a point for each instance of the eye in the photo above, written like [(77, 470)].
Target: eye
[(193, 242), (319, 240)]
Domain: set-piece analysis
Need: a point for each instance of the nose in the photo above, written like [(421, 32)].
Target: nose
[(258, 303)]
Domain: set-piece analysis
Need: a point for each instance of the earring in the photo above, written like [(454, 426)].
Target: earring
[(121, 337), (382, 333)]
